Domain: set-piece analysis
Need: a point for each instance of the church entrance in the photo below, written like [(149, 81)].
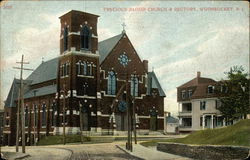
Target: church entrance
[(121, 122), (85, 115), (85, 121)]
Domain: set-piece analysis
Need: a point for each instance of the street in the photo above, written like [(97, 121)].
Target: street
[(75, 152)]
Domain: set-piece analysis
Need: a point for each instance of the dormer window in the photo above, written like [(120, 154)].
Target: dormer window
[(85, 38), (190, 92), (210, 89), (183, 94)]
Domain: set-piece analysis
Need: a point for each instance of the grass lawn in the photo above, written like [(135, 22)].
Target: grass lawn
[(237, 135), (50, 140)]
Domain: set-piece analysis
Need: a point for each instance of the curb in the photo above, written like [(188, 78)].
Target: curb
[(124, 150)]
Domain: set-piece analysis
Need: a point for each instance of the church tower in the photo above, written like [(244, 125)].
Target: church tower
[(78, 71)]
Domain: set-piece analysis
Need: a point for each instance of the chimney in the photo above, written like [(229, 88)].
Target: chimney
[(145, 64), (198, 74)]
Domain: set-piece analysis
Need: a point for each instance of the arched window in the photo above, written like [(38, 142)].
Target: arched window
[(90, 69), (85, 68), (78, 67), (65, 38), (85, 37), (111, 83), (134, 86), (44, 115)]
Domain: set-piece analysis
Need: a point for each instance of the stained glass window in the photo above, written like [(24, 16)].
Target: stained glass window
[(111, 83)]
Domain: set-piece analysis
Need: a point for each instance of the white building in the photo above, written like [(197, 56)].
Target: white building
[(198, 105), (171, 124)]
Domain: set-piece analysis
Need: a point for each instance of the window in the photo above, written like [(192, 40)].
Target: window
[(134, 86), (202, 105), (78, 67), (67, 68), (26, 116), (224, 89), (53, 122), (35, 114), (183, 94), (217, 104), (111, 83), (44, 115), (90, 69), (65, 38), (85, 67), (190, 93), (210, 89), (85, 37)]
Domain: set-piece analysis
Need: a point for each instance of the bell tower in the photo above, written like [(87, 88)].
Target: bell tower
[(78, 70), (78, 32)]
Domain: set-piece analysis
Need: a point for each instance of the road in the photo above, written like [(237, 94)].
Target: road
[(98, 151), (76, 152)]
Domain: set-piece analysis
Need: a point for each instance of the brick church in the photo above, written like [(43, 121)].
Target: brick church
[(94, 82)]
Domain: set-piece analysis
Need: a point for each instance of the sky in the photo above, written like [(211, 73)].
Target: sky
[(178, 38)]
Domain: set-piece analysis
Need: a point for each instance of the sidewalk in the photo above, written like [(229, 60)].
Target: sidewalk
[(151, 153), (38, 153)]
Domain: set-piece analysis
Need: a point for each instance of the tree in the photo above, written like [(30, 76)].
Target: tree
[(234, 94)]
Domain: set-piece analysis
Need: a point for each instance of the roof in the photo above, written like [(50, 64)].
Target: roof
[(171, 119), (44, 72), (14, 90), (79, 12), (196, 81), (199, 88), (107, 45), (46, 90), (154, 83)]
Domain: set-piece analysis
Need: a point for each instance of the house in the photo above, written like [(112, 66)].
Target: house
[(94, 82), (198, 103), (172, 124)]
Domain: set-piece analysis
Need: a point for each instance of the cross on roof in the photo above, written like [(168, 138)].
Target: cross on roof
[(123, 26)]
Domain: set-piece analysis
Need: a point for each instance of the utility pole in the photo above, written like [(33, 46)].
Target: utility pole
[(63, 92), (134, 119), (17, 122), (80, 114), (129, 144), (34, 117), (22, 100)]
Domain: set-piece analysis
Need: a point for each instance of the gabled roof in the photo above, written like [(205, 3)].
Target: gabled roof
[(44, 72), (107, 45), (154, 83), (46, 90), (14, 90)]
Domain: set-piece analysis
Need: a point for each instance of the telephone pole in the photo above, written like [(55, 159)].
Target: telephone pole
[(63, 92), (22, 101), (34, 118), (134, 118)]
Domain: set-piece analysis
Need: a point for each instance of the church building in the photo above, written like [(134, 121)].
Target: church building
[(95, 83)]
